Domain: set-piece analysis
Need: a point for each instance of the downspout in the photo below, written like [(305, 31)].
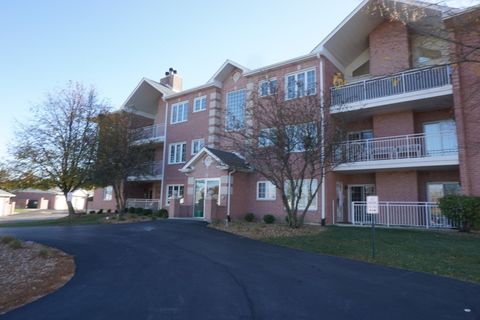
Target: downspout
[(322, 132), (165, 147), (229, 182)]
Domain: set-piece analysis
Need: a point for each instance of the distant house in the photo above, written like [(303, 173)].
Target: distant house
[(52, 199), (6, 208)]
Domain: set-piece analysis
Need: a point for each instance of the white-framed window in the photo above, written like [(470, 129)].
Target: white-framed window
[(175, 190), (267, 87), (177, 152), (197, 144), (200, 104), (267, 137), (179, 112), (307, 189), (235, 116), (301, 137), (108, 193), (266, 190), (300, 84)]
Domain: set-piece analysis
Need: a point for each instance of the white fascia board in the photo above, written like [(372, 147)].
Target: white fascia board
[(436, 161)]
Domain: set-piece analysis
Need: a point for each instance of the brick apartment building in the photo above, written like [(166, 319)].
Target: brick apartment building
[(408, 105)]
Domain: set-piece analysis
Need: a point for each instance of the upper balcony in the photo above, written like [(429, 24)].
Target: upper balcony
[(150, 134), (408, 151), (394, 91), (149, 171)]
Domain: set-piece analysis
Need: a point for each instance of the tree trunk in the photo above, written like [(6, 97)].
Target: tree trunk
[(71, 210)]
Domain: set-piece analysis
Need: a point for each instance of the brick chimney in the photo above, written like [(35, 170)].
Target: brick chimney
[(172, 80)]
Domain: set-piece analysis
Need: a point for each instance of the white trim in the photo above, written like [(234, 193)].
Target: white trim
[(435, 161), (195, 101), (170, 149), (296, 73), (164, 152), (205, 180), (187, 91), (268, 184), (167, 201), (193, 143), (195, 157), (178, 104), (149, 82), (268, 81), (227, 62), (281, 64)]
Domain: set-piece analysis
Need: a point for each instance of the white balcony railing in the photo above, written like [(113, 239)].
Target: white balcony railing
[(396, 84), (143, 203), (148, 170), (150, 133), (402, 214), (398, 147)]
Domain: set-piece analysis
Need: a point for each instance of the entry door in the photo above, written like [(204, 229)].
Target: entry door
[(203, 187), (359, 193), (440, 137)]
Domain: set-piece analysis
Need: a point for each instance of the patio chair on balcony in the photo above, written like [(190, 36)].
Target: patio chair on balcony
[(409, 151), (384, 153)]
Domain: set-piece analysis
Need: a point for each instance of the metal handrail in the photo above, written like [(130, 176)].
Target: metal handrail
[(394, 84)]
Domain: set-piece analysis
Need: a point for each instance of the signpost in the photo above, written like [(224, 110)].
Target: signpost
[(372, 209)]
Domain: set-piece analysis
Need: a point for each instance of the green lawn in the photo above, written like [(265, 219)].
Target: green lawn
[(74, 220), (451, 254)]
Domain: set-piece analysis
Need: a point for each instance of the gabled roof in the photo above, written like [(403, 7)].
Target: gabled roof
[(227, 67), (350, 38), (226, 159), (143, 99)]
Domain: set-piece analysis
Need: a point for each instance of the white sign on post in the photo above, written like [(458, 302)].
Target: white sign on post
[(372, 204), (69, 196)]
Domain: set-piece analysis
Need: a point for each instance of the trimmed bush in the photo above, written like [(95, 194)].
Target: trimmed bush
[(464, 210), (100, 211), (139, 210), (116, 211), (163, 213), (268, 219), (109, 211), (91, 212), (131, 210), (249, 217), (148, 212)]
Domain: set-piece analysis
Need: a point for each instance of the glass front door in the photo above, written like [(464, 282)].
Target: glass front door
[(202, 188)]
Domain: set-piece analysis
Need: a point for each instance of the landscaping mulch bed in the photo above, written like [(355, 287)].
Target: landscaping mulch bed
[(30, 271), (261, 230)]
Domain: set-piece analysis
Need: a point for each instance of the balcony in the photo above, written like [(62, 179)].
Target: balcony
[(143, 203), (416, 84), (402, 214), (150, 134), (408, 151), (149, 171)]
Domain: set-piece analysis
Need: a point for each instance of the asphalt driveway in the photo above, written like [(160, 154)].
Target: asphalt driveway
[(183, 270)]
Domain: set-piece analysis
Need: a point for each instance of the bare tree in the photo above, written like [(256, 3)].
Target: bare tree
[(289, 142), (119, 155), (58, 145)]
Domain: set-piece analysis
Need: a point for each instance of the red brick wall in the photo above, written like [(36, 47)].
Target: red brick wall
[(389, 48), (397, 186), (466, 95), (428, 116), (393, 124)]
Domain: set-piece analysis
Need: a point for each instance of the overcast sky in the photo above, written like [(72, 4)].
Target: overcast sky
[(113, 44)]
